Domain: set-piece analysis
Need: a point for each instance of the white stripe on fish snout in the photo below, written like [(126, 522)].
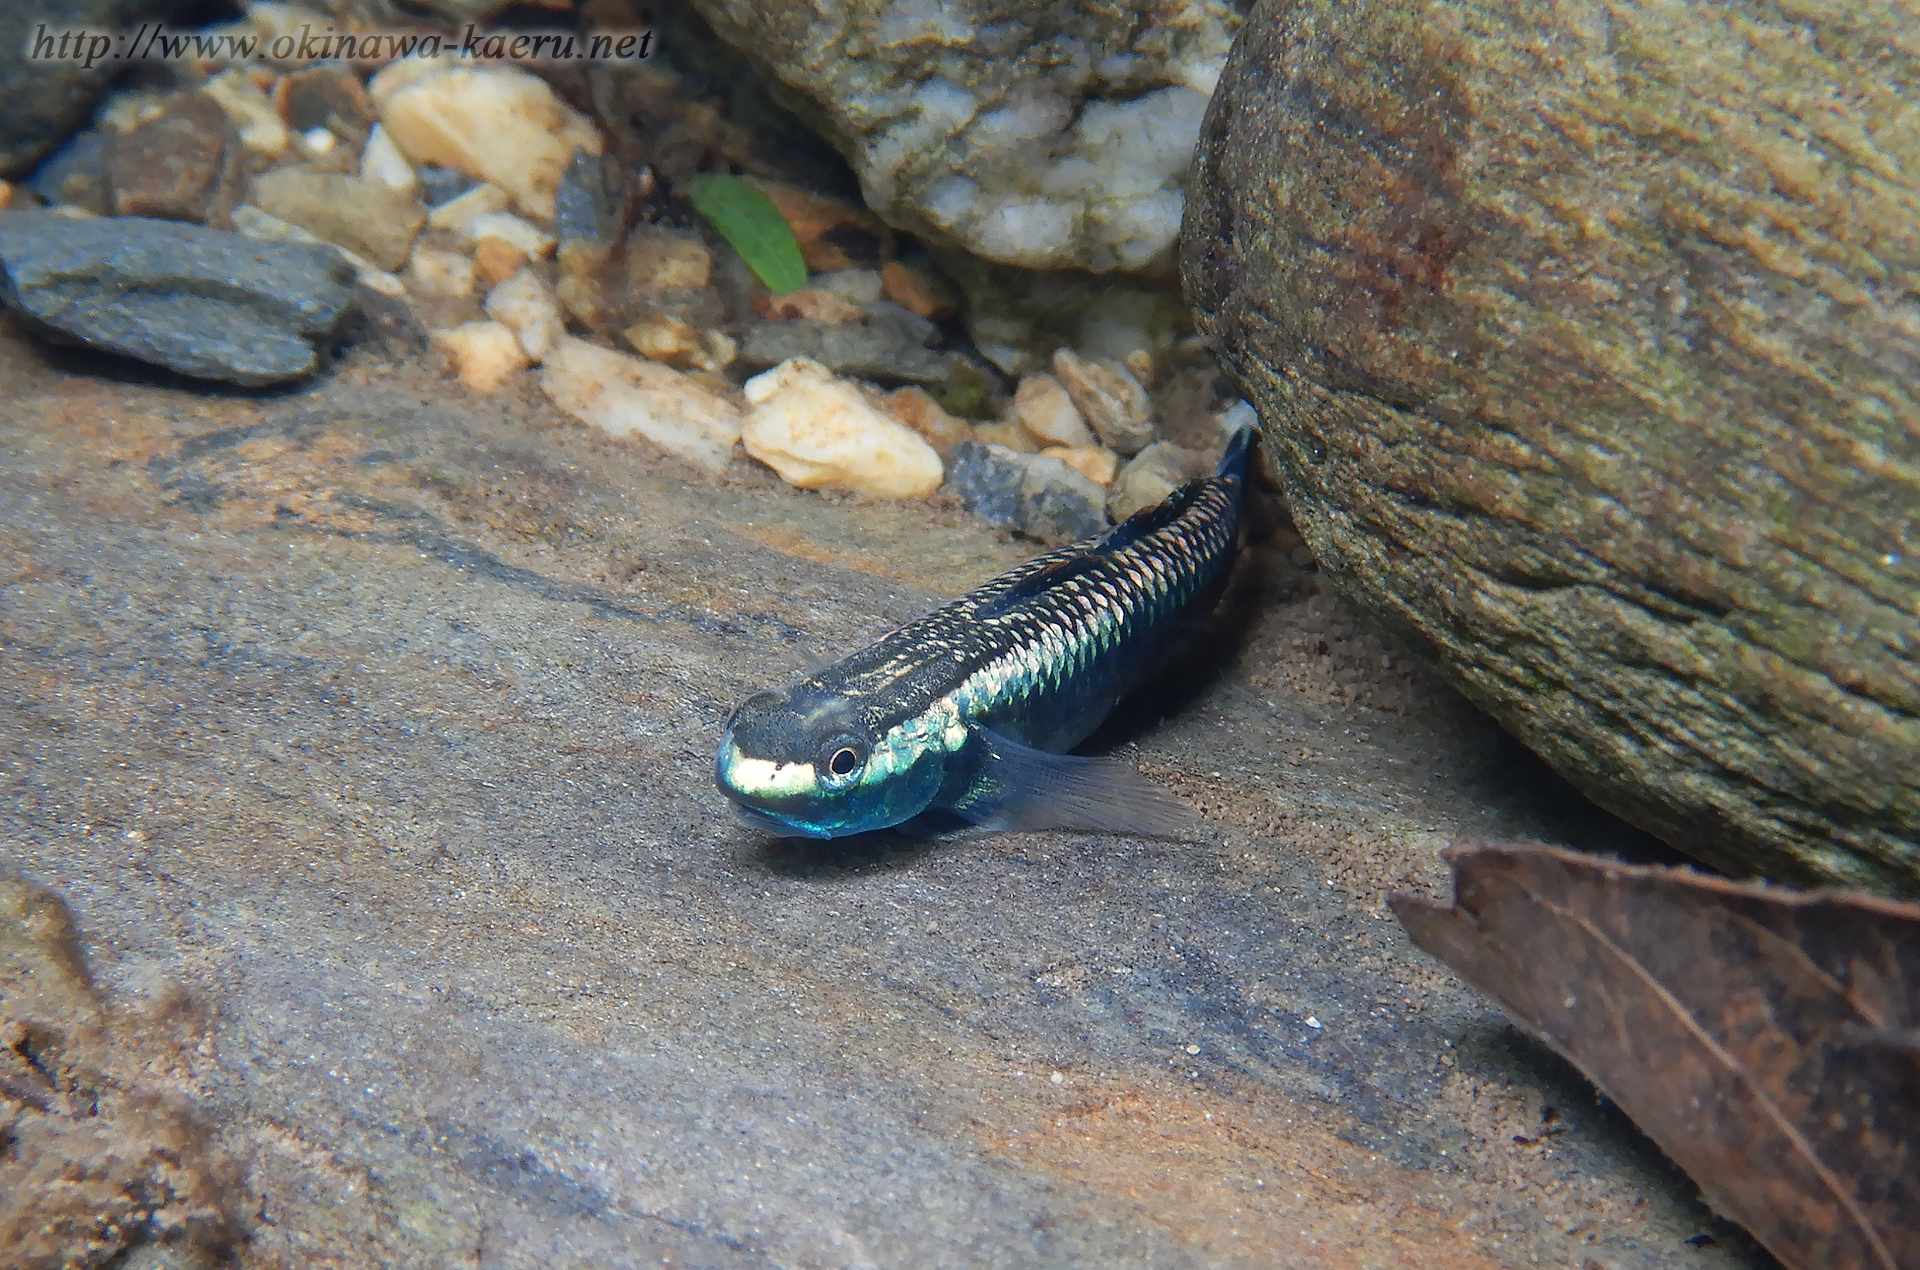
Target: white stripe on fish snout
[(767, 777)]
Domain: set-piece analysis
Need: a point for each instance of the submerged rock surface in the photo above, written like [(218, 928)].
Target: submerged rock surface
[(365, 732), (1586, 341)]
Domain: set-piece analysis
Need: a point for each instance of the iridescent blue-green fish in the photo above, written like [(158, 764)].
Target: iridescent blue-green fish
[(964, 716)]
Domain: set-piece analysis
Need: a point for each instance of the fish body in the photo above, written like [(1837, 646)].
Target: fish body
[(964, 715)]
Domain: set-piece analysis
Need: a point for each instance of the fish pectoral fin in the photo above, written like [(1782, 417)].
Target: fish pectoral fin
[(1019, 787)]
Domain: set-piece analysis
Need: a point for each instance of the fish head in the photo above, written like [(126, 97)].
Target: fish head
[(805, 763)]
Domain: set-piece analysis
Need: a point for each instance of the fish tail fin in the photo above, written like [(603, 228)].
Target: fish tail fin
[(1246, 430)]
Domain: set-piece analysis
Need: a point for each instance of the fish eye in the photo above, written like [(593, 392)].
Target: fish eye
[(842, 758)]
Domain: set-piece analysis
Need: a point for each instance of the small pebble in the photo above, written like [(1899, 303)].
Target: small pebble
[(484, 354), (1140, 362), (665, 338), (1094, 462), (1037, 495), (630, 395), (174, 164), (382, 163), (915, 289), (316, 141), (330, 97), (1153, 474), (584, 209), (1044, 409), (1008, 434), (885, 346), (535, 242), (127, 109), (525, 305), (1109, 398), (817, 431), (252, 114), (478, 201), (856, 286), (1058, 503), (812, 304), (916, 408), (495, 260), (6, 195), (661, 260), (367, 218), (498, 123), (443, 185), (440, 271), (722, 349)]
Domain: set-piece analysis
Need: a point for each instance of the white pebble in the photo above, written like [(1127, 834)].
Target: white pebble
[(253, 116), (626, 395), (816, 430), (381, 161), (857, 286), (484, 354), (497, 123), (532, 241), (1044, 409), (1109, 398), (1097, 463), (525, 304), (457, 211), (440, 271)]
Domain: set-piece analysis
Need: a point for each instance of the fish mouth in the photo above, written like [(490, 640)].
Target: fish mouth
[(775, 823)]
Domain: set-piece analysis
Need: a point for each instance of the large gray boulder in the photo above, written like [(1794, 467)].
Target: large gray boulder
[(1051, 136), (1586, 338)]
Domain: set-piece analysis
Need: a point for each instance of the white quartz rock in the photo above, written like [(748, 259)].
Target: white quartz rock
[(525, 304), (498, 123), (817, 431), (630, 395)]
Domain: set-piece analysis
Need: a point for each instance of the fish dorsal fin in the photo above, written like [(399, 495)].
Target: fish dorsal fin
[(1150, 520), (1019, 787), (1038, 582)]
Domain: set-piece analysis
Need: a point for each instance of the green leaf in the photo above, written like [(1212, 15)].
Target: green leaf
[(748, 220)]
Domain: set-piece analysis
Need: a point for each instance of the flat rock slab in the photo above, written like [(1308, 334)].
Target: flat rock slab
[(204, 302), (366, 732)]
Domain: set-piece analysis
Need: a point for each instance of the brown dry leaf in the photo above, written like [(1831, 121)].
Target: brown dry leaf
[(1768, 1040)]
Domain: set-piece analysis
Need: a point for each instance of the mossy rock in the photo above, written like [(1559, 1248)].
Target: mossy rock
[(1586, 338)]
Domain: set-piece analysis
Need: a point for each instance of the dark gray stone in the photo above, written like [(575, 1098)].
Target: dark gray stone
[(1038, 496), (1059, 504), (75, 174), (584, 209), (986, 480), (48, 98), (200, 301), (440, 185), (888, 346)]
